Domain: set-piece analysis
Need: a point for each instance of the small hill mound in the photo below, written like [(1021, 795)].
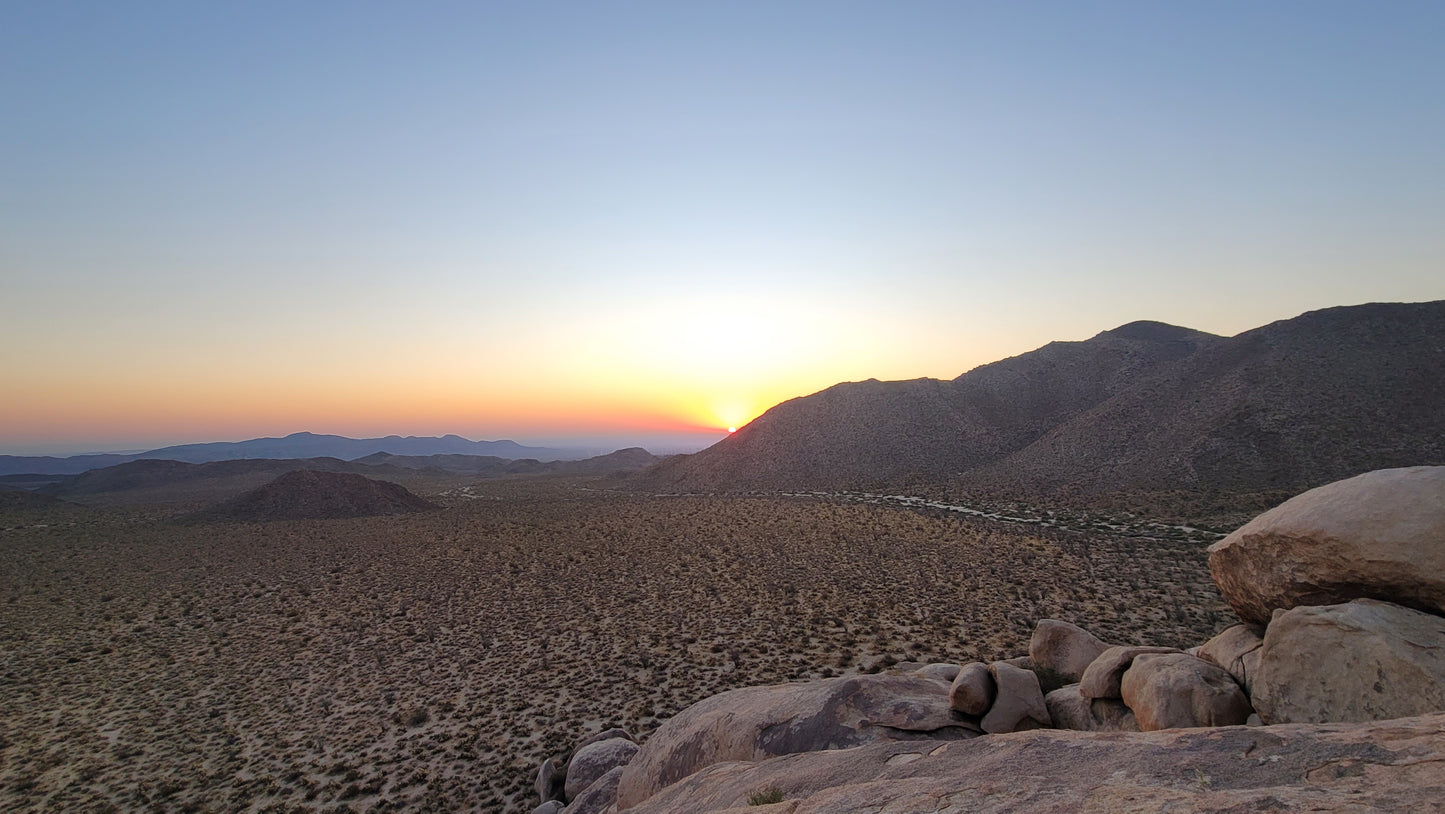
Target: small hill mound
[(307, 494)]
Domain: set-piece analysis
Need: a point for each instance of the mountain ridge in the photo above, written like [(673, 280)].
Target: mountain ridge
[(1145, 407), (297, 445)]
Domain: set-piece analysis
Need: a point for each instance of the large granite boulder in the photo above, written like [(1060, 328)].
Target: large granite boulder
[(598, 796), (1236, 649), (972, 691), (755, 723), (1103, 677), (1379, 535), (1064, 649), (594, 760), (1019, 702), (1071, 709), (1388, 766), (1359, 661), (1177, 690)]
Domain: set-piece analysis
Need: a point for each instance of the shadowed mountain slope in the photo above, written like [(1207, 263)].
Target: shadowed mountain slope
[(1288, 406), (1145, 406), (307, 494)]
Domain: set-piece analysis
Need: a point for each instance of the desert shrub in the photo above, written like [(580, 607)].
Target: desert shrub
[(763, 797)]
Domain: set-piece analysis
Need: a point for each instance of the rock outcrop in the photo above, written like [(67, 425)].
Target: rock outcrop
[(1389, 766), (1153, 727), (756, 723), (1360, 661), (1380, 535)]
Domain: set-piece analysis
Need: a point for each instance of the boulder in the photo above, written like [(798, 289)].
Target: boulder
[(1070, 709), (1101, 679), (550, 807), (1387, 766), (594, 760), (1236, 649), (973, 690), (599, 795), (1063, 648), (940, 672), (549, 782), (1019, 703), (755, 723), (1359, 661), (604, 735), (1379, 535), (1177, 690)]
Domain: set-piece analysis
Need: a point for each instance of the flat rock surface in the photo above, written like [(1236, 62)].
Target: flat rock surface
[(1379, 535), (755, 723), (1394, 765)]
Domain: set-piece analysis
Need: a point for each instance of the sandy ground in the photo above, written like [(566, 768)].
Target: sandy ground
[(430, 662)]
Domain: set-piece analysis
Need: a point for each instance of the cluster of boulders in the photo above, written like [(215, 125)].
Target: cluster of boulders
[(1341, 593), (586, 783)]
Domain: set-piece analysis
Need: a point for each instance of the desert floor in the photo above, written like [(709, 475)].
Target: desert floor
[(431, 661)]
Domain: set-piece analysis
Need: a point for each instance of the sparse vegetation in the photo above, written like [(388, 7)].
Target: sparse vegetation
[(767, 796), (431, 661)]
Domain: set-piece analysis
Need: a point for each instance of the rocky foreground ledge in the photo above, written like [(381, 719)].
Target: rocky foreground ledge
[(1330, 695)]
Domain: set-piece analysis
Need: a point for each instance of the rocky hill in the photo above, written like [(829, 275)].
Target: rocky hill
[(1145, 407), (307, 494)]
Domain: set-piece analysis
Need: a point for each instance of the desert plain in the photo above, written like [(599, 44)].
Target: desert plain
[(430, 662)]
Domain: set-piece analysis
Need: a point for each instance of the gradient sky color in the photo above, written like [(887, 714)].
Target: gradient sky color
[(623, 221)]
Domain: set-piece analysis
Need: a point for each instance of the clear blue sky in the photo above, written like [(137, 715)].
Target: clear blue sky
[(552, 220)]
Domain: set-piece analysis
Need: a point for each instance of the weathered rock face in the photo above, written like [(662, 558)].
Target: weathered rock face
[(755, 723), (1359, 661), (973, 690), (594, 760), (1019, 703), (1388, 766), (1064, 648), (1104, 674), (1176, 690), (598, 795), (1236, 649), (1379, 535), (550, 807), (1071, 709)]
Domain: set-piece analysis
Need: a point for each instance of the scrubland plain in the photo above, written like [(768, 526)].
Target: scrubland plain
[(431, 661)]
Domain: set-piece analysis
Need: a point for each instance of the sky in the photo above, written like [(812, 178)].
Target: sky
[(650, 221)]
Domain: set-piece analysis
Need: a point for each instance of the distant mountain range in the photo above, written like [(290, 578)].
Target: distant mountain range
[(167, 481), (1146, 407), (296, 445)]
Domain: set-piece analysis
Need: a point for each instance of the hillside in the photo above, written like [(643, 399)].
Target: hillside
[(308, 494), (1145, 407)]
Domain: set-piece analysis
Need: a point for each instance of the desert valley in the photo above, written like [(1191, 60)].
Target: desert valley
[(420, 632)]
